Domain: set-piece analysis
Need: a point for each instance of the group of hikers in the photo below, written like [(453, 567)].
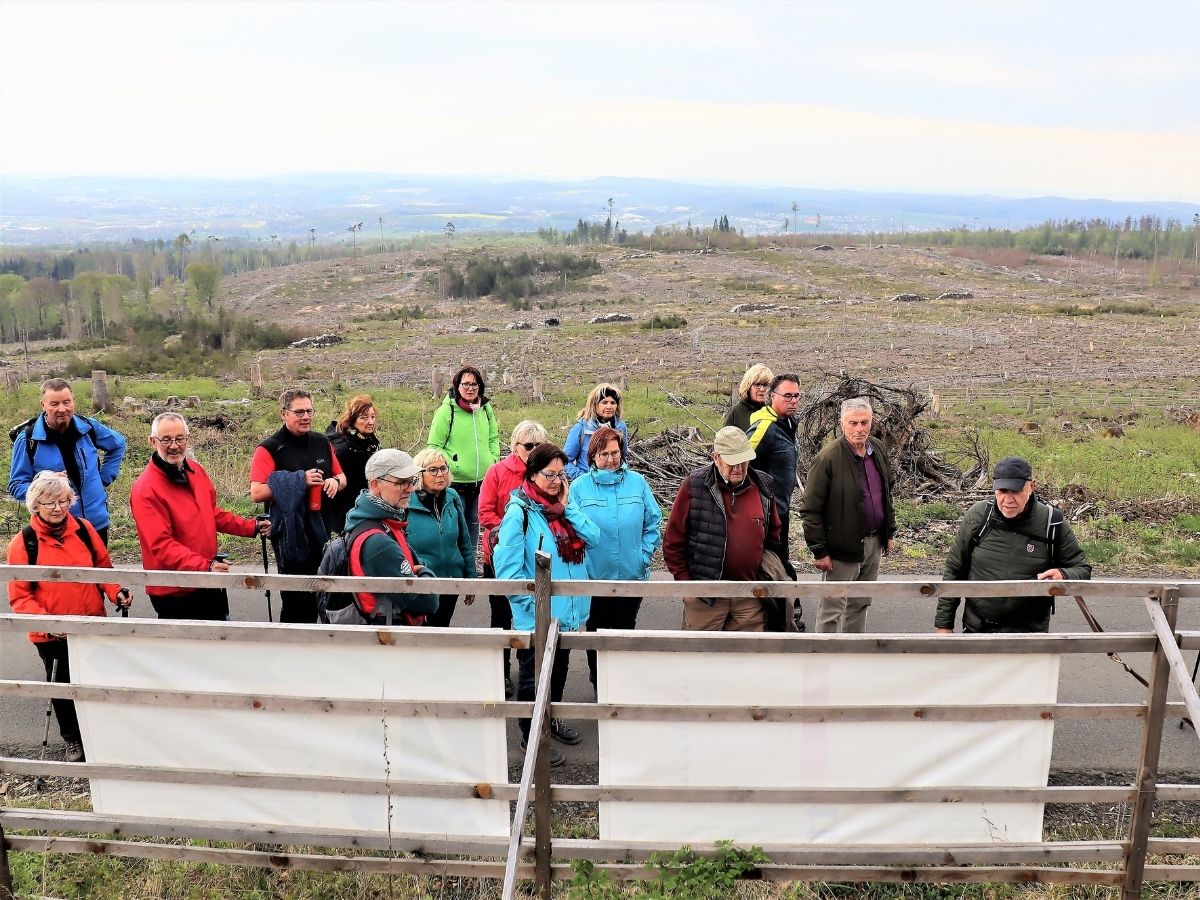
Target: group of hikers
[(339, 503)]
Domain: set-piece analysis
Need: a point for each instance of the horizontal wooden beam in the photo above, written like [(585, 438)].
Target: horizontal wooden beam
[(325, 783), (451, 709), (951, 794), (367, 865), (747, 642), (268, 632), (629, 712), (1043, 852), (23, 819), (892, 875)]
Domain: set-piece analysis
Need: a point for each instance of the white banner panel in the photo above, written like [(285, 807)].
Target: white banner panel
[(352, 746), (817, 755)]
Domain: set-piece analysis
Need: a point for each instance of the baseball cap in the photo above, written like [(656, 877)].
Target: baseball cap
[(732, 445), (1011, 474), (395, 463)]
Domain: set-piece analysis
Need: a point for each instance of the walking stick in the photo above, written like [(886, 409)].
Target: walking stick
[(39, 783), (266, 571)]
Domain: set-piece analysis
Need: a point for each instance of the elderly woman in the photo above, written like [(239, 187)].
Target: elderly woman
[(437, 530), (621, 504), (753, 391), (354, 440), (465, 427), (542, 514), (54, 537), (603, 407), (501, 480)]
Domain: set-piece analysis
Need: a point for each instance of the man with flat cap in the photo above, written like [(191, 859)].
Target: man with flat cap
[(724, 516), (1012, 537)]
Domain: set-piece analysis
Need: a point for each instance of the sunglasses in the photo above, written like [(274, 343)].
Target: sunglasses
[(529, 446)]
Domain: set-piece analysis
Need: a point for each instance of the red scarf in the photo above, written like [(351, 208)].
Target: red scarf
[(469, 407), (570, 546)]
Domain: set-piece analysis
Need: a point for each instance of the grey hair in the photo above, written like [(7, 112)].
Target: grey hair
[(48, 485), (168, 417), (856, 403), (432, 455), (55, 384), (527, 431)]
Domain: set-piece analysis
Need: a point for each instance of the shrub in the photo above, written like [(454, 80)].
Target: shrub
[(673, 320)]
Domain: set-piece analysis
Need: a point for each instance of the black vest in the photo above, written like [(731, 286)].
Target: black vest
[(706, 527), (295, 454)]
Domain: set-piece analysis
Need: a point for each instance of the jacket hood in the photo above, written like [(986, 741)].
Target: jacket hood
[(609, 476), (366, 509)]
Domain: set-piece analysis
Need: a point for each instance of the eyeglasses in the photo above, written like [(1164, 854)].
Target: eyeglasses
[(437, 470), (615, 454), (761, 384), (172, 441), (411, 482), (468, 385), (788, 397), (55, 504), (301, 413), (529, 446), (553, 476)]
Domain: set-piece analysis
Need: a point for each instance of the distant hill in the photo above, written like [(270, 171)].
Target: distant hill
[(83, 209)]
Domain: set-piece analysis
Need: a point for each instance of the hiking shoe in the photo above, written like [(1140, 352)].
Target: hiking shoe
[(561, 731), (556, 758), (74, 751), (508, 688)]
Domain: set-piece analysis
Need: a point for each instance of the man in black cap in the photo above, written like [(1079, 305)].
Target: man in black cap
[(1012, 537)]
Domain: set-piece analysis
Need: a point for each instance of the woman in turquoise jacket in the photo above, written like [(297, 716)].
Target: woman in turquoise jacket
[(603, 408), (621, 504), (542, 515), (464, 426), (437, 530)]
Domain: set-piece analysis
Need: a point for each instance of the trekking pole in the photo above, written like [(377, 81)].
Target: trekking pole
[(266, 571), (39, 783)]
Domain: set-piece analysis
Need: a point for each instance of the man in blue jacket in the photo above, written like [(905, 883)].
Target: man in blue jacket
[(87, 452)]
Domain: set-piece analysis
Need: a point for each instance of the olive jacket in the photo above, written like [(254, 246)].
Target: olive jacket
[(1010, 550), (832, 507)]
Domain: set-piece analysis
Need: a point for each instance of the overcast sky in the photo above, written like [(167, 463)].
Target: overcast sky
[(1019, 98)]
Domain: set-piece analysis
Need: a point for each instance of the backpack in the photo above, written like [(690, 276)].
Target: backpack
[(1050, 538), (343, 556), (31, 443)]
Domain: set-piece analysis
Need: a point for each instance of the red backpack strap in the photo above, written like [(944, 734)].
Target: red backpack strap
[(366, 601)]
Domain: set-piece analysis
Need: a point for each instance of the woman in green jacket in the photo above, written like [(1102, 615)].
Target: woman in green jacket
[(464, 426)]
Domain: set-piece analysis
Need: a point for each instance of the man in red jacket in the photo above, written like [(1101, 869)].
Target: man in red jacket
[(174, 506)]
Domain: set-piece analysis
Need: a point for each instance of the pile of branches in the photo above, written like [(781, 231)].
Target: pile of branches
[(667, 458), (918, 469)]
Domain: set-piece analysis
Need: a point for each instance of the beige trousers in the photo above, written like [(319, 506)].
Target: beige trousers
[(739, 614), (849, 614)]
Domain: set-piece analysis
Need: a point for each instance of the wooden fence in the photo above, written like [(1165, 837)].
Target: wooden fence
[(1119, 863)]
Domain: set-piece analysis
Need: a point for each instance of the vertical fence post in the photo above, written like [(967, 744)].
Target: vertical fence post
[(1147, 776), (6, 882), (100, 399), (541, 769)]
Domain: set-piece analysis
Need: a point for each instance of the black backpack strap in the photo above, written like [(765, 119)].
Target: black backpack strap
[(975, 540), (85, 535), (31, 544)]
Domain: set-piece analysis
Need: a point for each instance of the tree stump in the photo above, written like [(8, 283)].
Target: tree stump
[(100, 398)]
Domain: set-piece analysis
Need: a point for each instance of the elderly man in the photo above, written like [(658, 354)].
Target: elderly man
[(848, 517), (58, 440), (1012, 537), (772, 434), (294, 470), (724, 516), (378, 545), (174, 506)]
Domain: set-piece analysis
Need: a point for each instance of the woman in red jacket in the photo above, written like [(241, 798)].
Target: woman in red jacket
[(59, 539), (501, 480)]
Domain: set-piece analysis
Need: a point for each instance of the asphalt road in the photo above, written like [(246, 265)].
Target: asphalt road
[(1078, 746)]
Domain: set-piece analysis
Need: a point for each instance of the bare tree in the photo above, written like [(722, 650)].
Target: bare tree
[(354, 230), (795, 213), (381, 234)]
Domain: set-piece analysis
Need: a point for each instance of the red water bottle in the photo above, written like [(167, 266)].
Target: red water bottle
[(314, 497)]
